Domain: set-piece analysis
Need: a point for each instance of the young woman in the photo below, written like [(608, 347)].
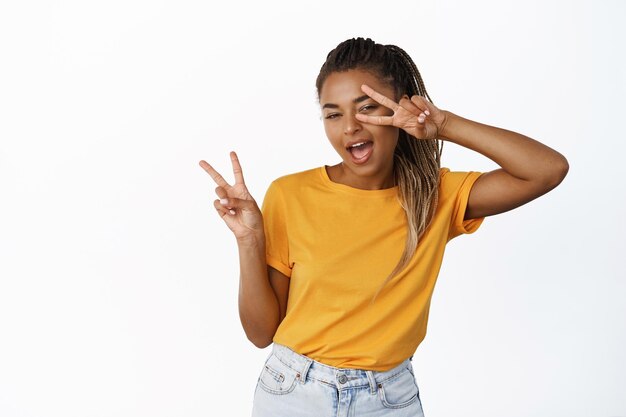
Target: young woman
[(339, 266)]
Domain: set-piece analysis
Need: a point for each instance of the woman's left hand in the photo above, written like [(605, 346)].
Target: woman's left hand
[(417, 116)]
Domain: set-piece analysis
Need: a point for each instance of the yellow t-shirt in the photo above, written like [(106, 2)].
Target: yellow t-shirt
[(338, 244)]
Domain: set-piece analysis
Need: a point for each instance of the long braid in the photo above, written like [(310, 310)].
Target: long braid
[(416, 161)]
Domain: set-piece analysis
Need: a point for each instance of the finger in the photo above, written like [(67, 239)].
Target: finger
[(375, 120), (409, 106), (223, 211), (221, 192), (385, 101), (236, 168), (237, 203), (219, 180), (421, 103)]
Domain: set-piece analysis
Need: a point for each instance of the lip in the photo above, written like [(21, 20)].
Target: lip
[(365, 158), (354, 142)]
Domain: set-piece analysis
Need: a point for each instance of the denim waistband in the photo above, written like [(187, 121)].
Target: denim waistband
[(341, 378)]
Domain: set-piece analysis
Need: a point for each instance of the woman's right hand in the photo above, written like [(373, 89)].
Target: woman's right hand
[(235, 204)]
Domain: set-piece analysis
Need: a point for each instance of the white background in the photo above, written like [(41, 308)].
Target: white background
[(118, 281)]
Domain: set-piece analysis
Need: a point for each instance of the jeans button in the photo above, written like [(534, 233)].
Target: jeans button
[(342, 379)]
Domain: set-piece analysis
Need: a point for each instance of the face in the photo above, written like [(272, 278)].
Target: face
[(366, 150)]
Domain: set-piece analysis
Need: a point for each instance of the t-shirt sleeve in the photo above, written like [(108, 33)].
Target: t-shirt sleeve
[(275, 226), (460, 184)]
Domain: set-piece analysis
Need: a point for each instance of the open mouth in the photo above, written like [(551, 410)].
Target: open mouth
[(361, 151)]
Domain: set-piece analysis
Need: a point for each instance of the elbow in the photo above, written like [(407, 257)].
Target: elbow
[(260, 333), (260, 338), (261, 343), (559, 170), (553, 174)]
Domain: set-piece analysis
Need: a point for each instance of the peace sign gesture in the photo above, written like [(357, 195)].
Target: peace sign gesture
[(235, 204), (417, 116)]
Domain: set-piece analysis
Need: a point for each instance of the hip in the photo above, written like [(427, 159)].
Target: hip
[(294, 385)]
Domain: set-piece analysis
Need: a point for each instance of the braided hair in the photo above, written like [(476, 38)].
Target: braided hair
[(416, 161)]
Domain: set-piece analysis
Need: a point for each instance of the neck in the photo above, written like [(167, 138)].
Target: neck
[(342, 174)]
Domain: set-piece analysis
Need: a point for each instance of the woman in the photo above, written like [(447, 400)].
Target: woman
[(338, 268)]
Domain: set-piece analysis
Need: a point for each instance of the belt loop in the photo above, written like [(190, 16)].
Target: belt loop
[(305, 370), (372, 380)]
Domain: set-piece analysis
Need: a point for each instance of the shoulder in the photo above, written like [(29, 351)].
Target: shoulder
[(292, 184), (452, 182), (297, 179)]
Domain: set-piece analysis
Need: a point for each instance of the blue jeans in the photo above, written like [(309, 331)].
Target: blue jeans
[(294, 385)]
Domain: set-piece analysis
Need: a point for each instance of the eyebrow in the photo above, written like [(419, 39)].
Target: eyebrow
[(355, 101)]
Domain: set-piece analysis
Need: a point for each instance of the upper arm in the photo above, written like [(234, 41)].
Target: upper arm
[(280, 285), (498, 191)]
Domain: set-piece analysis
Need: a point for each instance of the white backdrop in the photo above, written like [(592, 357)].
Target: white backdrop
[(118, 281)]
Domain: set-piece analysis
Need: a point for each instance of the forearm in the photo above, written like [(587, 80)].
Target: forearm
[(258, 306), (519, 155)]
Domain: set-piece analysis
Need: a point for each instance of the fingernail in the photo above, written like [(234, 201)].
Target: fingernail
[(224, 201), (231, 211), (427, 112)]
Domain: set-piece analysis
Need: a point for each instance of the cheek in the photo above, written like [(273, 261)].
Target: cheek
[(331, 134), (332, 127), (388, 133), (327, 130)]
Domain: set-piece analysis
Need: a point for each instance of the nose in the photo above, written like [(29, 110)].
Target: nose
[(351, 126)]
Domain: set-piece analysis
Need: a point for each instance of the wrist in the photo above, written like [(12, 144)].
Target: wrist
[(446, 125), (253, 240)]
